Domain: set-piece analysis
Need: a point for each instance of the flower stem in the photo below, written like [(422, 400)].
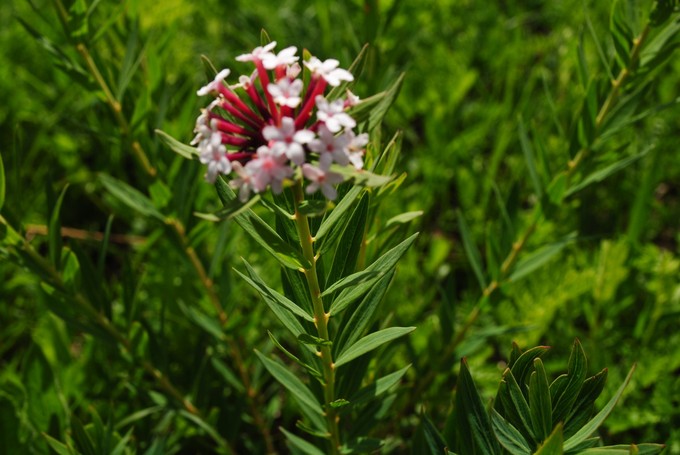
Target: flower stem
[(320, 318)]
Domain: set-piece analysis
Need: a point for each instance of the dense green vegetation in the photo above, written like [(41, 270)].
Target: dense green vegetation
[(133, 318)]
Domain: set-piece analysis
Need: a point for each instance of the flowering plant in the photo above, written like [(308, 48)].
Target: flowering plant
[(294, 128), (263, 129)]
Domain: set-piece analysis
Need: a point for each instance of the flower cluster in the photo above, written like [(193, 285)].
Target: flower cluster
[(269, 123)]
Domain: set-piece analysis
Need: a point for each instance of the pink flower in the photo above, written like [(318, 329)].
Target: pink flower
[(259, 53), (268, 168), (285, 57), (321, 179), (214, 154), (213, 87), (333, 114), (330, 147), (286, 93), (329, 71), (286, 140)]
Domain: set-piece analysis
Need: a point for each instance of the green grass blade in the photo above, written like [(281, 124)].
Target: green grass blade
[(471, 250), (54, 242)]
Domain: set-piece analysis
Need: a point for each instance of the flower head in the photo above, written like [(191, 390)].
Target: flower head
[(259, 130)]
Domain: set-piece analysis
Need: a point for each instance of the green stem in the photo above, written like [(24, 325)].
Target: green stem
[(320, 317)]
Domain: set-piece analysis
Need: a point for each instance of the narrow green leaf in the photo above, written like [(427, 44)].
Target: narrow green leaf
[(208, 68), (584, 404), (596, 421), (312, 208), (300, 444), (383, 264), (3, 183), (57, 446), (203, 425), (176, 146), (517, 402), (576, 375), (530, 159), (540, 257), (130, 196), (602, 174), (471, 250), (337, 213), (377, 114), (552, 445), (404, 218), (339, 403), (54, 242), (474, 428), (362, 316), (354, 68), (379, 387), (268, 293), (262, 233), (508, 435), (623, 449), (539, 401), (361, 177), (353, 280), (311, 370), (371, 342), (306, 338), (428, 440), (82, 439), (521, 362), (349, 244), (292, 383), (230, 210), (228, 375)]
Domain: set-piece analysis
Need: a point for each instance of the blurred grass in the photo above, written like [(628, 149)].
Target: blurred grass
[(472, 71)]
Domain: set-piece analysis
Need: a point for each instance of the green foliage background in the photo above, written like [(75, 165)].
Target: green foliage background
[(475, 72)]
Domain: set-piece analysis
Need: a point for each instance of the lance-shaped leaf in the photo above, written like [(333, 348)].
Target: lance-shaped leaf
[(362, 317), (602, 174), (130, 196), (262, 233), (474, 425), (539, 401), (270, 294), (3, 184), (427, 438), (300, 444), (293, 384), (513, 401), (349, 244), (176, 146), (371, 342), (310, 369), (596, 421), (540, 257), (622, 449), (54, 242), (584, 404), (337, 215), (471, 250), (379, 387), (382, 265), (552, 445), (509, 437), (569, 390), (521, 362)]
